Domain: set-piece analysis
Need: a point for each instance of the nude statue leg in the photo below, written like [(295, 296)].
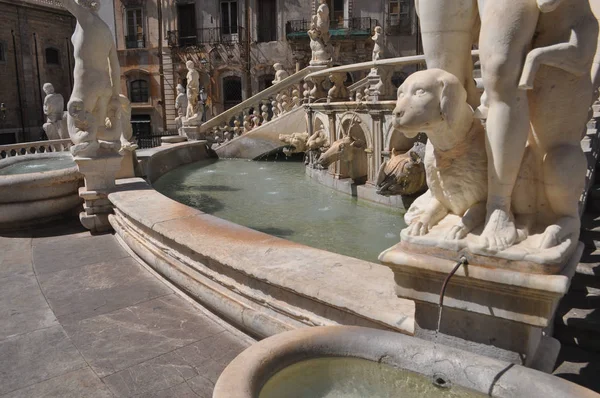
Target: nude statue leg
[(447, 29), (561, 164), (503, 46)]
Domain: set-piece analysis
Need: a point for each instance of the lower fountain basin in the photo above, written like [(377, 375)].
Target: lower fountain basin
[(347, 361), (36, 188)]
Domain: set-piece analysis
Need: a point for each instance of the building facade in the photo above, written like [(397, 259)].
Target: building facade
[(234, 43), (35, 48), (138, 48)]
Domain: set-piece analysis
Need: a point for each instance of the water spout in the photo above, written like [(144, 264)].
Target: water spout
[(461, 261)]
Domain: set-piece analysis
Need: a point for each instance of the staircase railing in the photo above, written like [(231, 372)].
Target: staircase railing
[(269, 104)]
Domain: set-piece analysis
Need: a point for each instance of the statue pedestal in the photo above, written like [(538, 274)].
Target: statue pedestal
[(192, 133), (128, 164), (99, 175), (496, 312)]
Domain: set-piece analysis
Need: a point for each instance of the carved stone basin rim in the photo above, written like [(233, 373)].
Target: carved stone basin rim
[(246, 375)]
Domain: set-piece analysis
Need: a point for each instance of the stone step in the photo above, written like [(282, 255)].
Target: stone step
[(578, 326), (582, 319), (579, 366)]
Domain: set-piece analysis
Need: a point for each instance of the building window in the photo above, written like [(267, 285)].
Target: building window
[(52, 56), (229, 17), (2, 52), (232, 91), (265, 81), (186, 17), (138, 91), (267, 20), (336, 13), (399, 16), (135, 29)]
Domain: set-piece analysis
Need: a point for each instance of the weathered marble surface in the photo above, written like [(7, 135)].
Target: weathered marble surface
[(258, 282), (533, 177)]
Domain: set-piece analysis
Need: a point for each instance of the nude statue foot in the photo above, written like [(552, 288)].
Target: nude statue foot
[(499, 233)]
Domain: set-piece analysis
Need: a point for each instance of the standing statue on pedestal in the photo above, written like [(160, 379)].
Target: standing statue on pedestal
[(320, 36), (527, 133), (97, 78), (192, 116), (377, 43), (54, 105), (181, 104)]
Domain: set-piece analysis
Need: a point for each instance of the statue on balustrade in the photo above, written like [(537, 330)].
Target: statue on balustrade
[(483, 196), (181, 104), (320, 36), (280, 73), (97, 78), (54, 107), (377, 43)]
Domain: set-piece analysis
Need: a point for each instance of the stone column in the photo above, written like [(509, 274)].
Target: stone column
[(374, 157)]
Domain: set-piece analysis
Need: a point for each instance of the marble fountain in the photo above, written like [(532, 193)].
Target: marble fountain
[(37, 188), (488, 246)]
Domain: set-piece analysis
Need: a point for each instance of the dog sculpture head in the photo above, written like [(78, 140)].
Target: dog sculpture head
[(426, 100)]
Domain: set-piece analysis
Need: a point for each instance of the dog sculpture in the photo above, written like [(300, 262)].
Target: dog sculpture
[(435, 102)]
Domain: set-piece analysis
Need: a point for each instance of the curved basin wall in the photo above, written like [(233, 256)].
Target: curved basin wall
[(31, 198), (246, 375), (262, 284)]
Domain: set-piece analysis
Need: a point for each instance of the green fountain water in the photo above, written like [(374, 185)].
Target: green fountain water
[(355, 378), (38, 165), (279, 199)]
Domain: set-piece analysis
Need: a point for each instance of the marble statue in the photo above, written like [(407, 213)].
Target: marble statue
[(280, 73), (403, 173), (557, 73), (349, 150), (181, 104), (448, 31), (82, 127), (435, 102), (295, 141), (377, 43), (97, 79), (54, 105), (322, 21), (316, 143), (192, 116), (126, 128), (320, 36), (338, 89)]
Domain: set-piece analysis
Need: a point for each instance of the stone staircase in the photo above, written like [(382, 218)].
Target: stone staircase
[(577, 321)]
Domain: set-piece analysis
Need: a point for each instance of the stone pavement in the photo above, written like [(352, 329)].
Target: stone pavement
[(79, 317)]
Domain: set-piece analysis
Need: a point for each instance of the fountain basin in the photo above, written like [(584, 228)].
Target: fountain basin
[(347, 361), (36, 188)]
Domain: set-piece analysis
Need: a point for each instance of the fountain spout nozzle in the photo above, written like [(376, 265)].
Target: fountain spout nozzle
[(461, 261)]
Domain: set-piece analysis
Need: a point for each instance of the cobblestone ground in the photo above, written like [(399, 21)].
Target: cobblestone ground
[(79, 317)]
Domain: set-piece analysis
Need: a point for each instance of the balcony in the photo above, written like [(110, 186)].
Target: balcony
[(340, 29), (135, 41), (211, 36)]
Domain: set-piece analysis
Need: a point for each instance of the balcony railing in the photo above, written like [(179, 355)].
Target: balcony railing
[(135, 41), (219, 35), (342, 28)]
